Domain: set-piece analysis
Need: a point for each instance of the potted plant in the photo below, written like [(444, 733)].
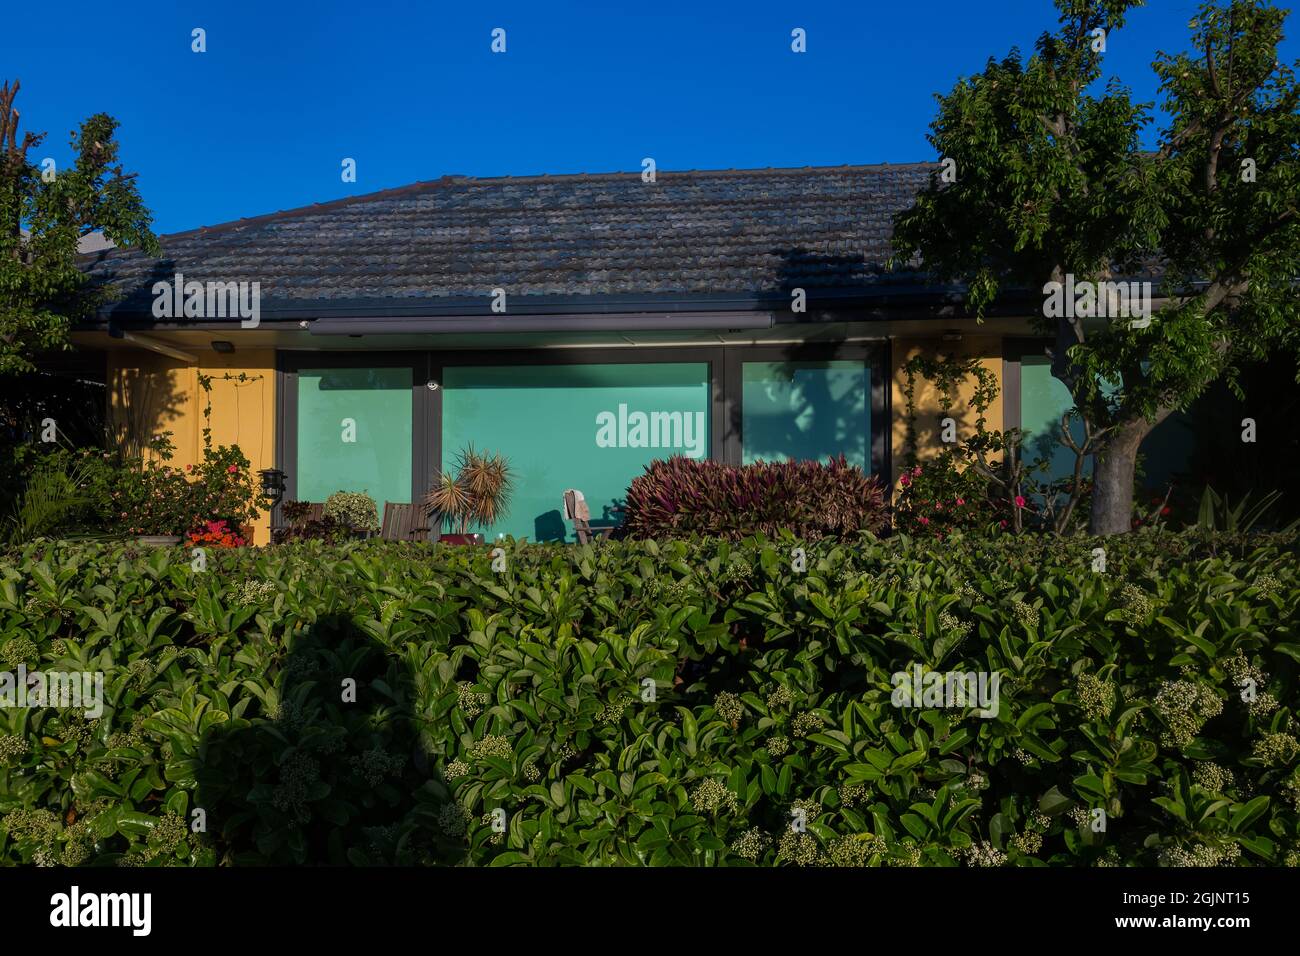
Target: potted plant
[(478, 493), (353, 509)]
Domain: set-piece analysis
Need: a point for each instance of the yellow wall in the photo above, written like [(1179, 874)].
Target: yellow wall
[(929, 410), (150, 394)]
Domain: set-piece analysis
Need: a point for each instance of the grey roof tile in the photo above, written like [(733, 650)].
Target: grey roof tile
[(748, 232)]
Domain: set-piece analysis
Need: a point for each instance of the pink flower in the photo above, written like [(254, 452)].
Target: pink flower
[(904, 481), (938, 505), (916, 470), (961, 501), (1002, 523), (924, 520), (232, 469), (1020, 501)]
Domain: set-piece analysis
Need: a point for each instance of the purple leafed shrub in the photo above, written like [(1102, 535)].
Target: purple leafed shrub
[(685, 496)]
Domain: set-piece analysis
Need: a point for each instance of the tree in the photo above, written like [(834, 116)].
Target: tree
[(1050, 185), (44, 212)]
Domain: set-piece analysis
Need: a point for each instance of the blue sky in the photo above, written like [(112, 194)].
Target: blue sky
[(412, 91)]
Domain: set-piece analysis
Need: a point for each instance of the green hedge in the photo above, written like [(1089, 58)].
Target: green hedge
[(1161, 691)]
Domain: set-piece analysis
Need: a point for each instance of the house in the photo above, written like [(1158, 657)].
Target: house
[(580, 325)]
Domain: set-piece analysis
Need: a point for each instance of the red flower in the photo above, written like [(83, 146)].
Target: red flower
[(1020, 501), (904, 481), (1166, 510), (189, 467)]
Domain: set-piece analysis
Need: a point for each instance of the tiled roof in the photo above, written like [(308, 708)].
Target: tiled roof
[(749, 233)]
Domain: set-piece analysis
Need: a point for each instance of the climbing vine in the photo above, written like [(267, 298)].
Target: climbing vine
[(947, 373), (205, 383)]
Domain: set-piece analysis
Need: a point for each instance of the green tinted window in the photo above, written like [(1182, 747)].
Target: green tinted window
[(1043, 400), (354, 433), (589, 427), (806, 410)]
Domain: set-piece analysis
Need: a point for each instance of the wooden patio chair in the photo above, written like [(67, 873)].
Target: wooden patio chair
[(575, 509), (402, 522)]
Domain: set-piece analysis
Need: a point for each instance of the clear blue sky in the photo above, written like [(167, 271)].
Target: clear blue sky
[(411, 90)]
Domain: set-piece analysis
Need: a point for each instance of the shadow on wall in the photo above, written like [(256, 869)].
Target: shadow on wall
[(550, 526), (333, 770), (822, 424), (142, 403)]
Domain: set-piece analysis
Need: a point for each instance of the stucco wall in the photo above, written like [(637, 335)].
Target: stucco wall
[(150, 394), (929, 410)]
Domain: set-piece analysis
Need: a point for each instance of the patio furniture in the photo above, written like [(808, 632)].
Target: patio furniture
[(576, 510), (403, 522)]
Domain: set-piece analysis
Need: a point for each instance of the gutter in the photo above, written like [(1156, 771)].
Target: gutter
[(469, 324)]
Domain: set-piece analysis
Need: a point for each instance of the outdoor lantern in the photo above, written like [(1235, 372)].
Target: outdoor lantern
[(272, 483)]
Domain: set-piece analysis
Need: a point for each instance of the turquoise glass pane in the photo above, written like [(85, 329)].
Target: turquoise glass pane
[(377, 401), (1043, 400), (589, 427), (794, 411)]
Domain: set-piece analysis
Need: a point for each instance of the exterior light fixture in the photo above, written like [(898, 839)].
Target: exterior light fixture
[(224, 347), (272, 483)]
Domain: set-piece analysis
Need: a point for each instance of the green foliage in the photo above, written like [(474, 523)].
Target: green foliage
[(1052, 180), (42, 291), (1161, 692), (53, 494), (944, 495), (354, 509), (105, 495), (1216, 513)]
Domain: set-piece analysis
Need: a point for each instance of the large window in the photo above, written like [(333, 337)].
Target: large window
[(590, 427), (354, 433), (1042, 399), (806, 410)]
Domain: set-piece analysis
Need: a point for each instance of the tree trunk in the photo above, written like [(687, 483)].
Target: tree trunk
[(1113, 471)]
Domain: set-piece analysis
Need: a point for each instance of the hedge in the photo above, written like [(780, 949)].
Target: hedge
[(693, 702)]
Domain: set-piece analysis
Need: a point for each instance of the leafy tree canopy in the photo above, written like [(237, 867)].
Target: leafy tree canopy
[(43, 214), (1049, 180)]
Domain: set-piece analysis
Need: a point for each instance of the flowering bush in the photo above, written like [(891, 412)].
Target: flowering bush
[(216, 534), (936, 497), (159, 498), (223, 488)]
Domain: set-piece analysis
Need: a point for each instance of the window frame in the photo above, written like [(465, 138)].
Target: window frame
[(726, 385), (288, 366)]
